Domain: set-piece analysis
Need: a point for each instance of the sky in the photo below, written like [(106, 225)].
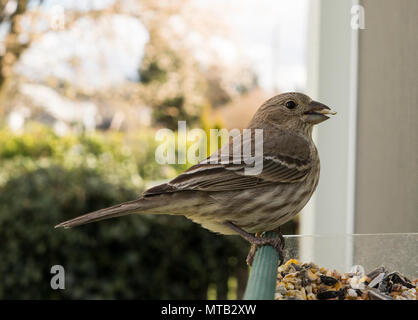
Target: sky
[(271, 34), (91, 54)]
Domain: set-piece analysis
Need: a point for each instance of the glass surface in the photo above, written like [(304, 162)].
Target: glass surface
[(397, 252)]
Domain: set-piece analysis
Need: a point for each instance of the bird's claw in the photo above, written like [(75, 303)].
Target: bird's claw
[(276, 243)]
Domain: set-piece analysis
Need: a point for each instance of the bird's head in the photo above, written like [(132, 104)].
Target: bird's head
[(291, 110)]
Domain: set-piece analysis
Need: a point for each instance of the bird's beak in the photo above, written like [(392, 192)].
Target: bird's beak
[(316, 112)]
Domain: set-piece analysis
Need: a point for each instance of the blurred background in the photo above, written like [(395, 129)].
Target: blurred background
[(84, 86)]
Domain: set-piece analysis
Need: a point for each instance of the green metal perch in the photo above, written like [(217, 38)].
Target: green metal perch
[(263, 275)]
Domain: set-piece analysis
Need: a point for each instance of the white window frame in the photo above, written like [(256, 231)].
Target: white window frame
[(332, 64)]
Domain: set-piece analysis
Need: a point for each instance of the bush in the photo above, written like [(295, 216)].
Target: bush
[(48, 179)]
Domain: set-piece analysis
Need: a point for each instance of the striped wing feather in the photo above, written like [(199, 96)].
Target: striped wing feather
[(227, 175)]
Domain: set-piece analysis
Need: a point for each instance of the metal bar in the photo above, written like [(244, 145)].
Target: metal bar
[(263, 275)]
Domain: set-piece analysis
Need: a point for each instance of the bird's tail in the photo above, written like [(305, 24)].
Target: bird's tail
[(119, 210)]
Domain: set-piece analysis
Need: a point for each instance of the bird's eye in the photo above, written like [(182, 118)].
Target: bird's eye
[(291, 104)]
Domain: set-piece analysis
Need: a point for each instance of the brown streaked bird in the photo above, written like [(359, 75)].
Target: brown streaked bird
[(223, 197)]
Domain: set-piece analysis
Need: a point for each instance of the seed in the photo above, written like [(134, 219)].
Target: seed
[(377, 280), (329, 281), (311, 296), (291, 261), (289, 286), (352, 293), (375, 295), (311, 276), (303, 293), (376, 272), (296, 281), (357, 270), (281, 289), (296, 267), (325, 295)]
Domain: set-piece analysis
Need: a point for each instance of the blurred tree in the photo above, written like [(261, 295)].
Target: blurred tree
[(22, 23), (13, 45), (170, 74), (175, 81)]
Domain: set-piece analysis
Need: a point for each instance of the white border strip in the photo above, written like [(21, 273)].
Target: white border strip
[(352, 136)]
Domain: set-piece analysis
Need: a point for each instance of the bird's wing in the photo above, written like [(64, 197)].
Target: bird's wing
[(285, 159)]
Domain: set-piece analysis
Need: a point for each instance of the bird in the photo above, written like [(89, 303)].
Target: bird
[(223, 195)]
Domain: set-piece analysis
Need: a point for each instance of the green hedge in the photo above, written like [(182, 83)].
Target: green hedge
[(45, 179)]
